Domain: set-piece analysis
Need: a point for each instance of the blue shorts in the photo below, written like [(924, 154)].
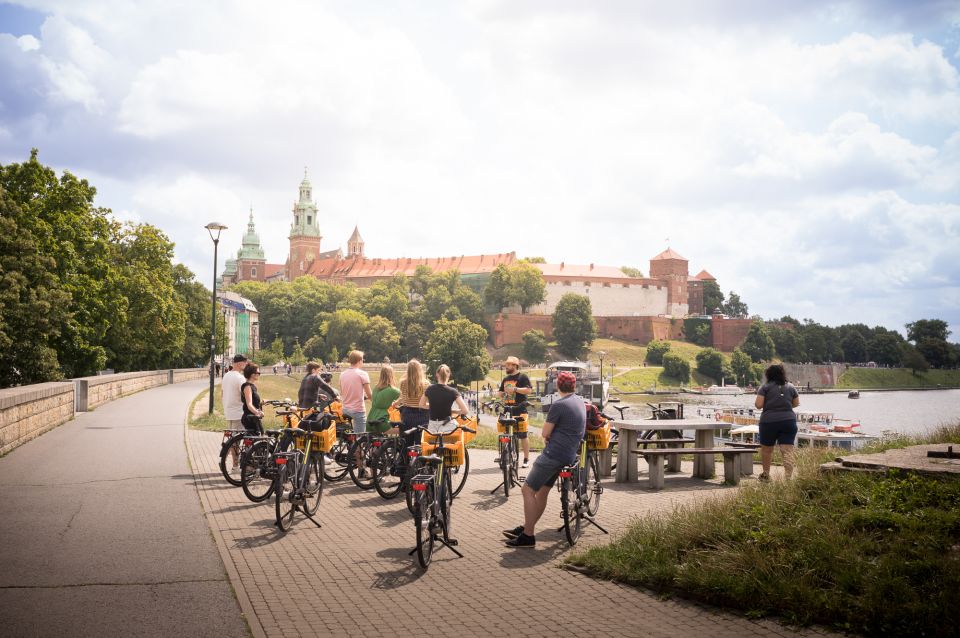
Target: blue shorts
[(782, 432), (544, 472), (359, 420)]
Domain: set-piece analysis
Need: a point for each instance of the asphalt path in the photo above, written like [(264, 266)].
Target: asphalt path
[(102, 529)]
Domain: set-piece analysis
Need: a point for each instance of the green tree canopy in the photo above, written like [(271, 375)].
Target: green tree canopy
[(757, 344), (788, 342), (573, 325), (630, 271), (497, 292), (527, 287), (344, 330), (734, 307), (194, 298), (884, 349), (937, 352), (922, 329), (656, 350), (913, 359), (710, 363), (534, 346), (743, 369), (461, 345), (676, 367), (712, 297), (854, 346)]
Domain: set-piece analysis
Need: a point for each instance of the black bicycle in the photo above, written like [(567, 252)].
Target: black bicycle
[(510, 419), (392, 463), (579, 487), (433, 496), (299, 483)]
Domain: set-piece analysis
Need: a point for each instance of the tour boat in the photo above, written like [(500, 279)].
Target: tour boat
[(589, 384), (816, 429), (853, 394)]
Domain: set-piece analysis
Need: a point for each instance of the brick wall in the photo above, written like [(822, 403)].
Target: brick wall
[(509, 328), (727, 333), (817, 376), (29, 411)]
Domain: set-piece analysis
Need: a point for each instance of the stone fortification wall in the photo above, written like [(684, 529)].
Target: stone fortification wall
[(817, 376), (610, 298), (27, 412), (509, 328)]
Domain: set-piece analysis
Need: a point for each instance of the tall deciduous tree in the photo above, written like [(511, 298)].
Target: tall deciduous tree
[(573, 325), (922, 329), (534, 346), (884, 349), (527, 287), (497, 292), (758, 344), (712, 297), (460, 345), (710, 363), (676, 367), (734, 307), (854, 347), (194, 297), (913, 359), (741, 365), (788, 343)]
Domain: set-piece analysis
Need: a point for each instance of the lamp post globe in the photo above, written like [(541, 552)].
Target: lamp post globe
[(214, 228)]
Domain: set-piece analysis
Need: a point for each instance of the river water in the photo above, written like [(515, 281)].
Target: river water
[(905, 412)]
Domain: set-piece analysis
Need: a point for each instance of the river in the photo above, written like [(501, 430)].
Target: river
[(906, 412)]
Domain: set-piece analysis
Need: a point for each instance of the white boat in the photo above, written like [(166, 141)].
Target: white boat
[(589, 384), (816, 429), (723, 389)]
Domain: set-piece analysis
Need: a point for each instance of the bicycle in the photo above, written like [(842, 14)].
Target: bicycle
[(433, 498), (299, 483), (236, 442), (390, 472), (580, 488), (509, 421)]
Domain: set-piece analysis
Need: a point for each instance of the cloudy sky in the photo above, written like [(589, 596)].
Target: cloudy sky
[(805, 153)]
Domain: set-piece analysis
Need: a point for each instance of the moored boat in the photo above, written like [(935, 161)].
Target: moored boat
[(589, 384), (816, 429)]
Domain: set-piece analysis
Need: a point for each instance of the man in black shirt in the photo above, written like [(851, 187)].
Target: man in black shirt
[(312, 386), (514, 389)]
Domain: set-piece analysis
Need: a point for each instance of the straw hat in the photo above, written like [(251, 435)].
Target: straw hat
[(513, 360)]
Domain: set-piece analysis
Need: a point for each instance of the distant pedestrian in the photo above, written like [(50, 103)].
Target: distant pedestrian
[(230, 393), (778, 422), (252, 413)]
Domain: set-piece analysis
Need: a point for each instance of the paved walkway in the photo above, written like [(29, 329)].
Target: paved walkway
[(103, 533), (354, 577)]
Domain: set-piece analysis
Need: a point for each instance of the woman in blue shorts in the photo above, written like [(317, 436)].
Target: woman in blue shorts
[(778, 423)]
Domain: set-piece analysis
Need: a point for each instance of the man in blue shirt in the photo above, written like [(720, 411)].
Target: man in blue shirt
[(563, 432)]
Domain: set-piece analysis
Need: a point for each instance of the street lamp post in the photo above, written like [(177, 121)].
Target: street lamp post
[(601, 354), (214, 228)]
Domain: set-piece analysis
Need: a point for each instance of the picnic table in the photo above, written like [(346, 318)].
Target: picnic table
[(703, 465)]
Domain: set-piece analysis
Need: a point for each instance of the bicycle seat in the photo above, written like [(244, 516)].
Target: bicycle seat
[(507, 420), (272, 432)]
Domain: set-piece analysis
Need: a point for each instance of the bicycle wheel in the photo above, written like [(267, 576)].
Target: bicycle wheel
[(593, 487), (423, 509), (388, 478), (230, 454), (362, 474), (313, 489), (335, 468), (506, 463), (446, 505), (458, 474), (568, 508), (412, 470), (283, 496), (258, 473)]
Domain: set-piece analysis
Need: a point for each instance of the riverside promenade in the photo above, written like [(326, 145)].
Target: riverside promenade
[(105, 534)]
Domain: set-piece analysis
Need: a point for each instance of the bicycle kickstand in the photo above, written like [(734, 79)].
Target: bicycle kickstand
[(513, 483), (310, 516), (593, 522)]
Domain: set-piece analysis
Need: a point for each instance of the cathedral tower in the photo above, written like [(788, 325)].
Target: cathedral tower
[(250, 263), (304, 232), (355, 244)]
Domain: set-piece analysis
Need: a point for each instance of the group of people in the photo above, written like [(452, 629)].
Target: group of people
[(421, 402)]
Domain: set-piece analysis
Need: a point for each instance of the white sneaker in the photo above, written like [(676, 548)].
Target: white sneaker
[(525, 464)]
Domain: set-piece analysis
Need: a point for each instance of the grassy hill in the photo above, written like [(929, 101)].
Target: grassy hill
[(860, 378)]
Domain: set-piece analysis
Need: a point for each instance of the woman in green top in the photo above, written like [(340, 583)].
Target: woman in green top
[(384, 394)]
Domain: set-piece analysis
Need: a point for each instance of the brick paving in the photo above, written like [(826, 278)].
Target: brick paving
[(354, 577)]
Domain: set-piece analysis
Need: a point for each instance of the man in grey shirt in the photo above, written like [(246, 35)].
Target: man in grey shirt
[(563, 432)]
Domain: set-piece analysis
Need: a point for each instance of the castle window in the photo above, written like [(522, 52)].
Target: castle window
[(625, 285), (587, 284), (309, 220), (566, 283), (253, 271), (606, 284), (645, 286)]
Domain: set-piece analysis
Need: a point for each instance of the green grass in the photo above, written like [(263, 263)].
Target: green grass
[(642, 379), (871, 554), (896, 378), (269, 386), (486, 439)]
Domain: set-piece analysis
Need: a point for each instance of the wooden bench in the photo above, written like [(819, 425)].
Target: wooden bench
[(673, 461), (731, 462), (746, 462)]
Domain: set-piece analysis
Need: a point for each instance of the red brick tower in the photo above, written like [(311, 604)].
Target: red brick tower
[(671, 268)]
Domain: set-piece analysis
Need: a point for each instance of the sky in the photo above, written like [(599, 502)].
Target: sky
[(807, 154)]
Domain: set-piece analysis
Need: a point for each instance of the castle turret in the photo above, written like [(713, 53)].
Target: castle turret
[(670, 267), (250, 258), (355, 244), (304, 232)]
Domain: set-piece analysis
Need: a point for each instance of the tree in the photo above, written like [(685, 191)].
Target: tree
[(743, 369), (922, 329), (655, 352), (468, 303), (527, 287), (710, 363), (535, 260), (884, 349), (676, 367), (788, 343), (344, 330), (194, 297), (734, 307), (630, 271), (534, 346), (380, 339), (758, 344), (297, 358), (712, 297), (854, 347), (460, 345), (273, 354), (697, 330), (573, 325), (936, 351), (914, 360)]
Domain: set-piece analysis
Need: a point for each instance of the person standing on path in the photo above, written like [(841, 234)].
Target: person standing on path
[(778, 422), (354, 390), (383, 397), (441, 397), (412, 387), (563, 431), (230, 393), (514, 389), (312, 386), (252, 418)]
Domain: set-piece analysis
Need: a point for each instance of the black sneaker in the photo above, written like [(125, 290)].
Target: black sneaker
[(513, 533), (523, 540)]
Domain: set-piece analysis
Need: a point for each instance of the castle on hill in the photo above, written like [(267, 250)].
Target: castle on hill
[(669, 292)]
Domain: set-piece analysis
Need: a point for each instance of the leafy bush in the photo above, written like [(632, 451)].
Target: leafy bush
[(674, 366), (656, 350)]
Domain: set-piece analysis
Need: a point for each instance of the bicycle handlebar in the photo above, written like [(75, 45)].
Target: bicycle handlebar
[(425, 428)]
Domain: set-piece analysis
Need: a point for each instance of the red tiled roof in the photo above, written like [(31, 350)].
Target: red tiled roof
[(703, 275), (580, 271), (358, 267), (270, 270), (669, 253)]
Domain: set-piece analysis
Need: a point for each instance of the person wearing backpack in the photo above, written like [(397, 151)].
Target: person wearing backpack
[(778, 422)]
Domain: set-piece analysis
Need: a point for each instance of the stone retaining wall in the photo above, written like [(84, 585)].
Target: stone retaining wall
[(28, 412)]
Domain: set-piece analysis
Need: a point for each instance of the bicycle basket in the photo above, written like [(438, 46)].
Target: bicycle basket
[(599, 439), (323, 439), (521, 425), (470, 423), (452, 452)]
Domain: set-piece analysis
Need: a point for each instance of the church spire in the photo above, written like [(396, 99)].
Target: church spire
[(355, 244)]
